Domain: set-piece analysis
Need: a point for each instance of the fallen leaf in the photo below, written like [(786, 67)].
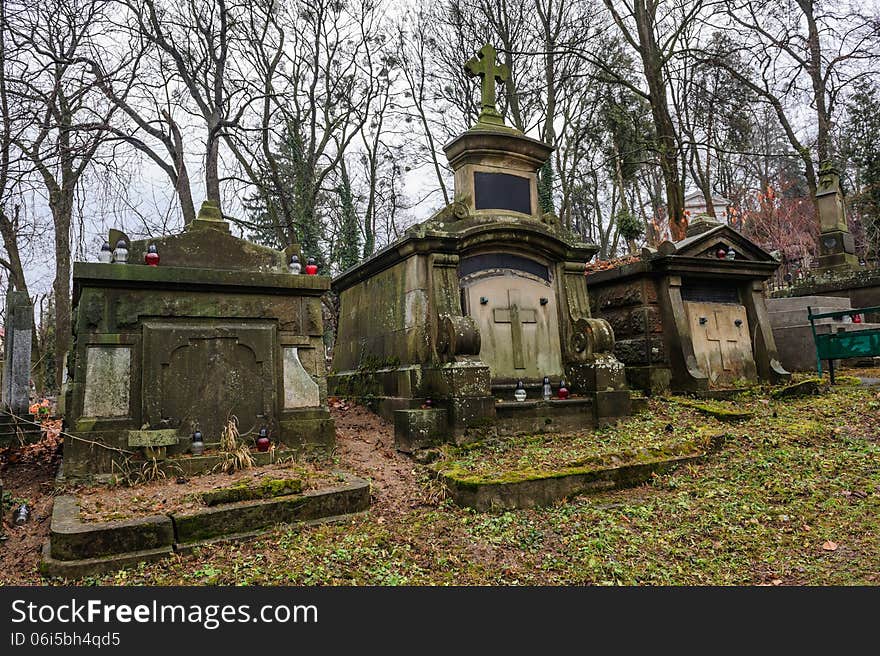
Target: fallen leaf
[(828, 545)]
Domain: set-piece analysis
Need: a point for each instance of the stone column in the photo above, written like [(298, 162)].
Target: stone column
[(836, 246), (17, 352)]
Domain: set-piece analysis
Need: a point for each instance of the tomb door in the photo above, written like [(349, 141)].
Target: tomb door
[(199, 373), (722, 341), (519, 326)]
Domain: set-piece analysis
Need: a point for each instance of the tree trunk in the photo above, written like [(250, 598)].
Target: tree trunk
[(667, 141), (212, 155), (8, 229), (62, 209)]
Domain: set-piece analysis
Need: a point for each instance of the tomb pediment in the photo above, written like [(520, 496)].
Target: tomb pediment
[(722, 237)]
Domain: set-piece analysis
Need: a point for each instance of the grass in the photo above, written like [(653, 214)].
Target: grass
[(793, 498), (672, 427)]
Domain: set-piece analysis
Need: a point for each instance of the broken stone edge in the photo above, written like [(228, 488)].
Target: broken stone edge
[(76, 549), (552, 487)]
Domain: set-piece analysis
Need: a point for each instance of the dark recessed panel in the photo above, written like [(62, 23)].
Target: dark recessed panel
[(710, 291), (502, 191), (492, 261)]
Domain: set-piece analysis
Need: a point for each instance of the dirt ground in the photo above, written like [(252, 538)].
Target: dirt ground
[(178, 493), (365, 446)]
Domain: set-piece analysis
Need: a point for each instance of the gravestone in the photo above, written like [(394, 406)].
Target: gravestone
[(17, 425), (219, 329), (692, 315), (794, 334), (836, 244), (17, 352), (487, 292)]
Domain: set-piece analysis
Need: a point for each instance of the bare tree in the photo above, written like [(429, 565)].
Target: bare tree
[(10, 126), (807, 54), (316, 70), (653, 28), (62, 106)]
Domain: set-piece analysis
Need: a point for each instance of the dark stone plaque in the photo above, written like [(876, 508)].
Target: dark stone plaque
[(491, 261), (502, 191), (706, 291)]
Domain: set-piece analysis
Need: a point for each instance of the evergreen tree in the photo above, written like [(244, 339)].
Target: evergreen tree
[(285, 210), (861, 146), (545, 187), (349, 237)]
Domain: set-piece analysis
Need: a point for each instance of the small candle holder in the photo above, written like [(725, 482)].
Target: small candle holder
[(263, 440), (105, 255), (563, 391), (311, 267), (120, 253), (547, 391), (294, 265), (198, 446), (152, 256), (520, 392)]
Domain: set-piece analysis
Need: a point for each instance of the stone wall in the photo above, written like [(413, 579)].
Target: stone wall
[(631, 307), (384, 318), (174, 348), (861, 287)]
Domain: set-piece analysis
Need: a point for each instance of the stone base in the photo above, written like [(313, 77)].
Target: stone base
[(611, 406), (312, 431), (838, 262), (77, 549), (459, 390), (420, 429), (650, 379), (539, 416), (18, 433)]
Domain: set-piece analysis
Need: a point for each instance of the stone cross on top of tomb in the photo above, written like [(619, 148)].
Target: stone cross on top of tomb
[(484, 66)]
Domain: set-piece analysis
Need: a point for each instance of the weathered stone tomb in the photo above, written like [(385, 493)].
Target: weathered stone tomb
[(218, 328), (486, 293), (692, 314)]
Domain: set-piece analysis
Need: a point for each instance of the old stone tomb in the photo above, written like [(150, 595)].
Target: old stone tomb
[(439, 328), (218, 329), (692, 314)]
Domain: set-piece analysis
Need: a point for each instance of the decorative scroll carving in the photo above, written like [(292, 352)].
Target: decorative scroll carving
[(458, 335), (592, 336)]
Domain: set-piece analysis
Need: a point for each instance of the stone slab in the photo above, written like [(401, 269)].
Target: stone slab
[(539, 416), (353, 495), (300, 390), (78, 568), (73, 539), (549, 489), (798, 302), (153, 438), (108, 381), (76, 549)]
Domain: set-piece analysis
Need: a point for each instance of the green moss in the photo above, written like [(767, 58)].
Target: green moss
[(717, 410), (267, 489), (463, 477)]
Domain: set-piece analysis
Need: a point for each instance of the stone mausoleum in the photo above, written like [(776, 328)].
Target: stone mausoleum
[(691, 315), (218, 328), (438, 328)]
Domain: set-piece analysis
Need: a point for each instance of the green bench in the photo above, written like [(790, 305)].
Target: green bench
[(849, 344)]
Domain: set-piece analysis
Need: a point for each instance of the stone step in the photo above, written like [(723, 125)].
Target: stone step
[(534, 415), (801, 302), (800, 316)]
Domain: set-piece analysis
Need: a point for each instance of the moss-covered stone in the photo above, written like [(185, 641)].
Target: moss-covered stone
[(806, 387), (718, 411), (265, 489)]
